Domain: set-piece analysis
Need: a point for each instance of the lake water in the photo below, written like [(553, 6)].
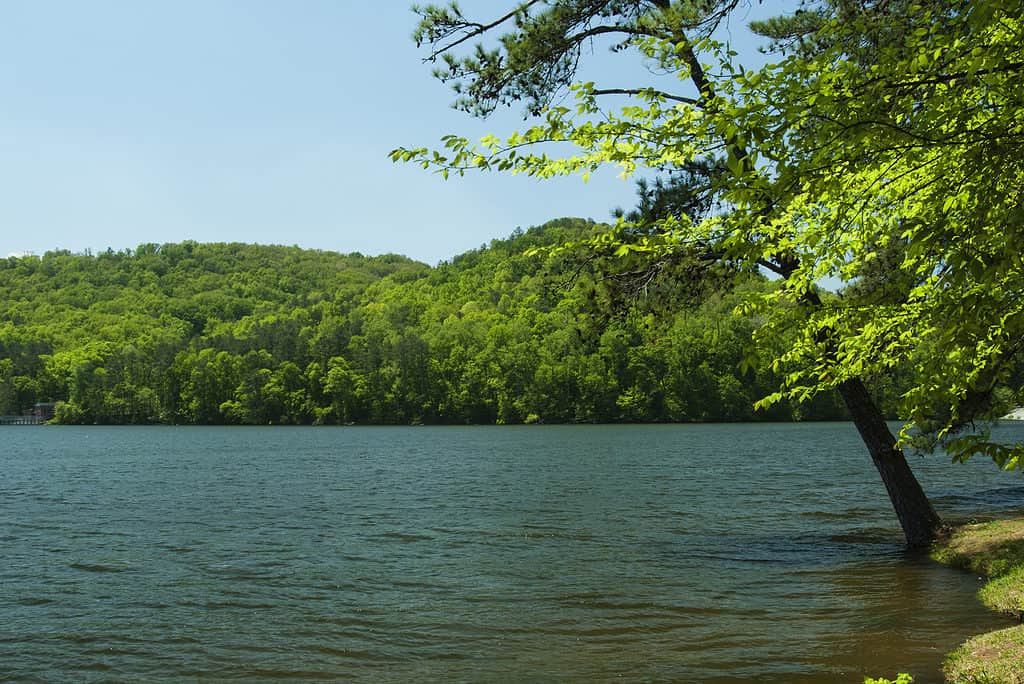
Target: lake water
[(692, 553)]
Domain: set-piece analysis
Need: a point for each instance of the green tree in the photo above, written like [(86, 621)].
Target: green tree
[(882, 124), (207, 379), (346, 391)]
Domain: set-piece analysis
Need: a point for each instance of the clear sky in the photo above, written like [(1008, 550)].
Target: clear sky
[(266, 121)]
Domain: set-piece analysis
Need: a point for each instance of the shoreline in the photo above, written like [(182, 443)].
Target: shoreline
[(994, 550)]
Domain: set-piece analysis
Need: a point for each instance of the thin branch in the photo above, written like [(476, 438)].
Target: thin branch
[(477, 30), (618, 28), (643, 91), (1009, 68)]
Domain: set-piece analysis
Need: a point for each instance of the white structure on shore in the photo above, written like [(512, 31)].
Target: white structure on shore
[(1015, 414)]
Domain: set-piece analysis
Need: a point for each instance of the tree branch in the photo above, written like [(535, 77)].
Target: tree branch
[(472, 30), (641, 91), (1009, 68)]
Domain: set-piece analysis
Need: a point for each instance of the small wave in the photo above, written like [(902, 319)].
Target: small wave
[(353, 558), (247, 605), (780, 556), (99, 567), (845, 514), (180, 549), (99, 533), (250, 572), (872, 536), (42, 498), (34, 601), (404, 537), (356, 654), (93, 667), (84, 638)]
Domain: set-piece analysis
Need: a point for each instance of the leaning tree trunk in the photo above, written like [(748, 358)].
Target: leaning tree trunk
[(921, 524)]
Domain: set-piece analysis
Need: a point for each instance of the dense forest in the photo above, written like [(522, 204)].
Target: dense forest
[(242, 334)]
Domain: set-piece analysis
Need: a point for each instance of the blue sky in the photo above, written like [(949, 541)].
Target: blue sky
[(266, 121)]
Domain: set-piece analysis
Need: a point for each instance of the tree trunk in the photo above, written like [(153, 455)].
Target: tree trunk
[(921, 524)]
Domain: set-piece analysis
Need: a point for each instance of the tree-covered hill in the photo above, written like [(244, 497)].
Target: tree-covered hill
[(231, 333)]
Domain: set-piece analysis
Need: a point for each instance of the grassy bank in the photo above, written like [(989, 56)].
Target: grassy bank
[(994, 550)]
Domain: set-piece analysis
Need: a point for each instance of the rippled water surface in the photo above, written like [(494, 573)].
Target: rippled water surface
[(643, 553)]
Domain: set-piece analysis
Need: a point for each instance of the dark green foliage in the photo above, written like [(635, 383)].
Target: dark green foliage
[(239, 334)]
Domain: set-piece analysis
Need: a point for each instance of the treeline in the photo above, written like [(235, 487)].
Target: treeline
[(240, 334)]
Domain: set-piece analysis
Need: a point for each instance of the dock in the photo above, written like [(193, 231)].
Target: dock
[(22, 420)]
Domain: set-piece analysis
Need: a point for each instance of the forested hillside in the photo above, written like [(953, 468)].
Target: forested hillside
[(229, 333)]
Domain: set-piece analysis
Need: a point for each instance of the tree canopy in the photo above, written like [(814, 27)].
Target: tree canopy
[(887, 135), (881, 148)]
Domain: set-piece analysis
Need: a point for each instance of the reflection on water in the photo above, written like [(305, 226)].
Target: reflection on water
[(653, 553)]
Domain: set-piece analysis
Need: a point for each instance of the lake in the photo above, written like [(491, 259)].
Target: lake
[(693, 553)]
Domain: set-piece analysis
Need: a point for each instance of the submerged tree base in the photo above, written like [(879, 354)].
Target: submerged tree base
[(996, 550)]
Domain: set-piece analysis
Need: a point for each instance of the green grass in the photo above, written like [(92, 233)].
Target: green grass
[(990, 548), (1006, 593), (996, 550), (993, 658)]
